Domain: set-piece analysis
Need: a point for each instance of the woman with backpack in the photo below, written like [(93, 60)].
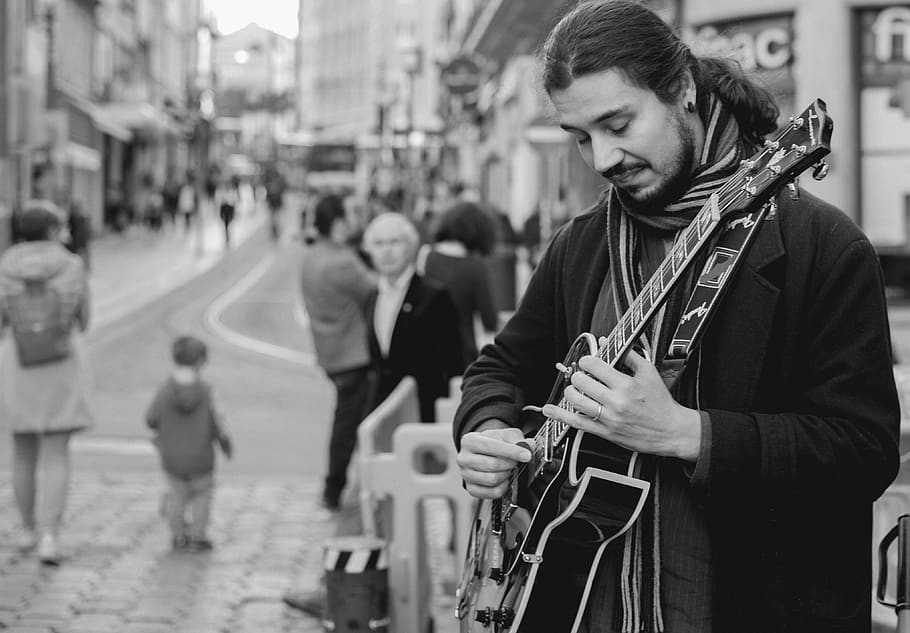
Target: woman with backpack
[(44, 370)]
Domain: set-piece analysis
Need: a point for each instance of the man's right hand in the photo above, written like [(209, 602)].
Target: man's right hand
[(488, 456)]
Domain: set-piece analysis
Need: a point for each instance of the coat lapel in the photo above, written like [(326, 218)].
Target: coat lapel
[(407, 314), (737, 339)]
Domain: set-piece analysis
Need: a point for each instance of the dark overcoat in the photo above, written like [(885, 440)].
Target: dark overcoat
[(426, 344), (796, 375)]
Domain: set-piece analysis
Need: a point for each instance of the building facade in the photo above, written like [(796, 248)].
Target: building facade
[(254, 70), (369, 75), (95, 97), (853, 54)]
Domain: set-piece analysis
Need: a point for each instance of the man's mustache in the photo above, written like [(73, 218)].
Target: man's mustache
[(620, 170)]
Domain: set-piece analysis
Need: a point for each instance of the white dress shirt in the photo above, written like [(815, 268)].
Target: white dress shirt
[(388, 304)]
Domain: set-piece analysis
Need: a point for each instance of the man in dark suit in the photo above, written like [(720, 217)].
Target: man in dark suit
[(415, 322)]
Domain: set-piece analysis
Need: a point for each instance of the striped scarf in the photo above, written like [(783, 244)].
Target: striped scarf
[(723, 150)]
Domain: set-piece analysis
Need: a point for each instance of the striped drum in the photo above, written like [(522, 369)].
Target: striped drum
[(357, 585)]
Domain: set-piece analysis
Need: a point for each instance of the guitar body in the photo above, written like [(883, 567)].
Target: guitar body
[(523, 551)]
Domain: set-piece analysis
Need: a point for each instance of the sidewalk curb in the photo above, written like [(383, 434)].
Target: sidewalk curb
[(214, 323), (132, 300)]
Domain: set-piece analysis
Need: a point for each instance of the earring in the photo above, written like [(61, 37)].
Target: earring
[(690, 107)]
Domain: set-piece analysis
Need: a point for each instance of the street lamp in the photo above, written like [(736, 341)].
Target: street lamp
[(51, 178), (411, 57), (48, 10)]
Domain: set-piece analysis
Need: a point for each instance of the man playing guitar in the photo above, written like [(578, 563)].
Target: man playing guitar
[(765, 449)]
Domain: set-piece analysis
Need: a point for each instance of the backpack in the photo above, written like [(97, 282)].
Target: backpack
[(41, 331)]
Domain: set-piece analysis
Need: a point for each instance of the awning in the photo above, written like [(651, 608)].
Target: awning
[(111, 128), (82, 157), (136, 117)]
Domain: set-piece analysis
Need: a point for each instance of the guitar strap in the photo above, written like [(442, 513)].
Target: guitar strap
[(734, 241)]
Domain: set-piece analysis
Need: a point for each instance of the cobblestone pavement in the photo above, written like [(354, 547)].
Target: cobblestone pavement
[(118, 574)]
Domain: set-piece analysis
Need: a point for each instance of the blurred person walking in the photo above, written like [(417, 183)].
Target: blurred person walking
[(187, 425), (464, 236), (274, 185), (336, 285), (45, 377), (188, 202), (170, 197), (416, 329), (79, 233), (227, 209)]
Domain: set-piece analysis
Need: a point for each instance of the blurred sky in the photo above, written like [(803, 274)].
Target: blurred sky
[(276, 15)]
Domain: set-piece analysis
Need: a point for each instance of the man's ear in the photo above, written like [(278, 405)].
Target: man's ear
[(688, 92)]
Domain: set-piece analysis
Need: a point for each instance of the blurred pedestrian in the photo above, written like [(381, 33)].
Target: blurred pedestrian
[(336, 286), (415, 323), (463, 238), (230, 198), (188, 202), (274, 198), (79, 233), (210, 185), (170, 197), (148, 202), (187, 425), (116, 215), (45, 377)]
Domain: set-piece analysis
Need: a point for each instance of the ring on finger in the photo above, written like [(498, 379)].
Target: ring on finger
[(600, 409)]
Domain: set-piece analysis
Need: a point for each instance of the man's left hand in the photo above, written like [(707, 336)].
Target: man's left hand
[(635, 411)]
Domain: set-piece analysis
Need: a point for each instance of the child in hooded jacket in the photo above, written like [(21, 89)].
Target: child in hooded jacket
[(187, 425)]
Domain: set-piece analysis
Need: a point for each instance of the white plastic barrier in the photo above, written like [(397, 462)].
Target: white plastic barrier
[(394, 484)]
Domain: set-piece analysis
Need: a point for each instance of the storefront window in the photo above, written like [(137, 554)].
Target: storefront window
[(884, 78)]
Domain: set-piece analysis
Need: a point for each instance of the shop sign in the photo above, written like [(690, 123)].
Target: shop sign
[(763, 47), (764, 44), (885, 45), (758, 45)]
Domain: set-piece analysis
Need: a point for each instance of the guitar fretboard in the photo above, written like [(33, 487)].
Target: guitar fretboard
[(664, 279), (648, 302)]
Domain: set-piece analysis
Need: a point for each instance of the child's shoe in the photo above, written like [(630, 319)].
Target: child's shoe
[(200, 545), (26, 540), (47, 550)]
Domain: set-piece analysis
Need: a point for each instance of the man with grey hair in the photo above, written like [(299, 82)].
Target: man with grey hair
[(415, 323)]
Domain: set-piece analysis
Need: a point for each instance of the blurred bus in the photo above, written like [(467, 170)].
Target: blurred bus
[(309, 164)]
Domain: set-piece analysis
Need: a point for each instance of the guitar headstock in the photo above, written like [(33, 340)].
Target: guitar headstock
[(805, 142)]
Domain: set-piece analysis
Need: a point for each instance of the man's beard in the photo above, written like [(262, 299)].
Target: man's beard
[(676, 183)]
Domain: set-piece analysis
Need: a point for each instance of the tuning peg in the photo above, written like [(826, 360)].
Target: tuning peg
[(793, 189), (820, 170)]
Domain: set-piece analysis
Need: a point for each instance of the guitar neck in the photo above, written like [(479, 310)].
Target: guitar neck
[(667, 276), (649, 300)]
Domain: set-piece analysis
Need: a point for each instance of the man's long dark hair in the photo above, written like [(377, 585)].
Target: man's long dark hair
[(600, 35)]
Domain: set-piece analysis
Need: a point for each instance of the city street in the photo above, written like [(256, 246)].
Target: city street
[(118, 573), (534, 159)]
